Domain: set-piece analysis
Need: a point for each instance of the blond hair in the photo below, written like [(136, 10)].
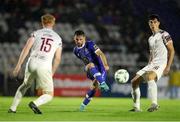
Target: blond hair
[(47, 19)]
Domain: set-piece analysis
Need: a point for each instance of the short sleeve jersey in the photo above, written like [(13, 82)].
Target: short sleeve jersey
[(87, 53), (46, 43), (157, 44)]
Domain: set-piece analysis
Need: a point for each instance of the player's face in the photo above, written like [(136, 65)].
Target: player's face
[(79, 40), (154, 24)]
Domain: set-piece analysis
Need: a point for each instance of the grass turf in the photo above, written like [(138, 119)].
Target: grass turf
[(100, 109)]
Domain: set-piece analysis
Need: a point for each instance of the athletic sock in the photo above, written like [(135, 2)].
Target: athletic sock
[(16, 101), (152, 89), (42, 99), (18, 96), (136, 97), (89, 96)]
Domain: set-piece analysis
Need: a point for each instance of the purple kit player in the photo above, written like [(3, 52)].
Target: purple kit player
[(95, 64)]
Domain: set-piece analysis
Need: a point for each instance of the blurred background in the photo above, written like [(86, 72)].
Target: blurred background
[(119, 27)]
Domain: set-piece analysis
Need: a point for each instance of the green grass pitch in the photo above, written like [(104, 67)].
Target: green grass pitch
[(100, 109)]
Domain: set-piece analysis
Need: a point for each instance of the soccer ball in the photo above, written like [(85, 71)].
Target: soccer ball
[(121, 76)]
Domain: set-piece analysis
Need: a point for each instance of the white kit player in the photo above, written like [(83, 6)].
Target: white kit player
[(161, 57), (45, 44)]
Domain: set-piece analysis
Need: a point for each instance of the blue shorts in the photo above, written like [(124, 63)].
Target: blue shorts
[(103, 74)]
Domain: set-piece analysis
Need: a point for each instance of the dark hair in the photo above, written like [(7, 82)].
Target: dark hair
[(154, 16), (79, 33)]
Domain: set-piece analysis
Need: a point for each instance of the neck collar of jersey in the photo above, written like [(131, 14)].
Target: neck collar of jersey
[(47, 28), (154, 33)]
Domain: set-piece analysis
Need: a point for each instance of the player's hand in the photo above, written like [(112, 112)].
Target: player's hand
[(166, 71), (106, 67), (16, 71)]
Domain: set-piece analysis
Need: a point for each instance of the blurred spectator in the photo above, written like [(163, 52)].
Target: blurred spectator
[(120, 25), (174, 81), (174, 84)]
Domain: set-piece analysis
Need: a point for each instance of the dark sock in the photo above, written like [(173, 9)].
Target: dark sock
[(89, 96)]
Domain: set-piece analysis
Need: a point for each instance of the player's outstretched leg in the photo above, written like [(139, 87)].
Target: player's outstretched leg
[(136, 99), (18, 96), (98, 76), (89, 95), (43, 99), (93, 71), (136, 93), (87, 99)]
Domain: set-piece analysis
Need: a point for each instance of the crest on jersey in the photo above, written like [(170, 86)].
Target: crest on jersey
[(86, 50), (156, 67)]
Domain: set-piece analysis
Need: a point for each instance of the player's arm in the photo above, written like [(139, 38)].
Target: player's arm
[(57, 59), (103, 58), (171, 53), (23, 55)]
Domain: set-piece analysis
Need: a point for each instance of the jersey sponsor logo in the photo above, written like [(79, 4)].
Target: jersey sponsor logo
[(156, 67), (85, 60)]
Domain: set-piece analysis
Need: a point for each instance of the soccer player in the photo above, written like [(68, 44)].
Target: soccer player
[(45, 44), (160, 60), (95, 64)]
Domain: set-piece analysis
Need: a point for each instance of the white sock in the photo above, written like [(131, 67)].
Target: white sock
[(136, 97), (16, 101), (18, 96), (43, 99), (152, 89)]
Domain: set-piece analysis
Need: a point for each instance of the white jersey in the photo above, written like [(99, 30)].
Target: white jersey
[(46, 43), (157, 44)]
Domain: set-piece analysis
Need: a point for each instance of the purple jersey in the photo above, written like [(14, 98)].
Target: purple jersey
[(87, 54)]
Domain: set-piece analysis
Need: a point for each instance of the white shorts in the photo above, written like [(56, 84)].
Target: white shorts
[(157, 68), (35, 70)]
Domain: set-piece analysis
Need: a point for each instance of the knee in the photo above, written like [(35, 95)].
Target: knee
[(89, 66), (48, 96), (50, 93), (51, 96), (135, 82), (24, 86), (150, 76)]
